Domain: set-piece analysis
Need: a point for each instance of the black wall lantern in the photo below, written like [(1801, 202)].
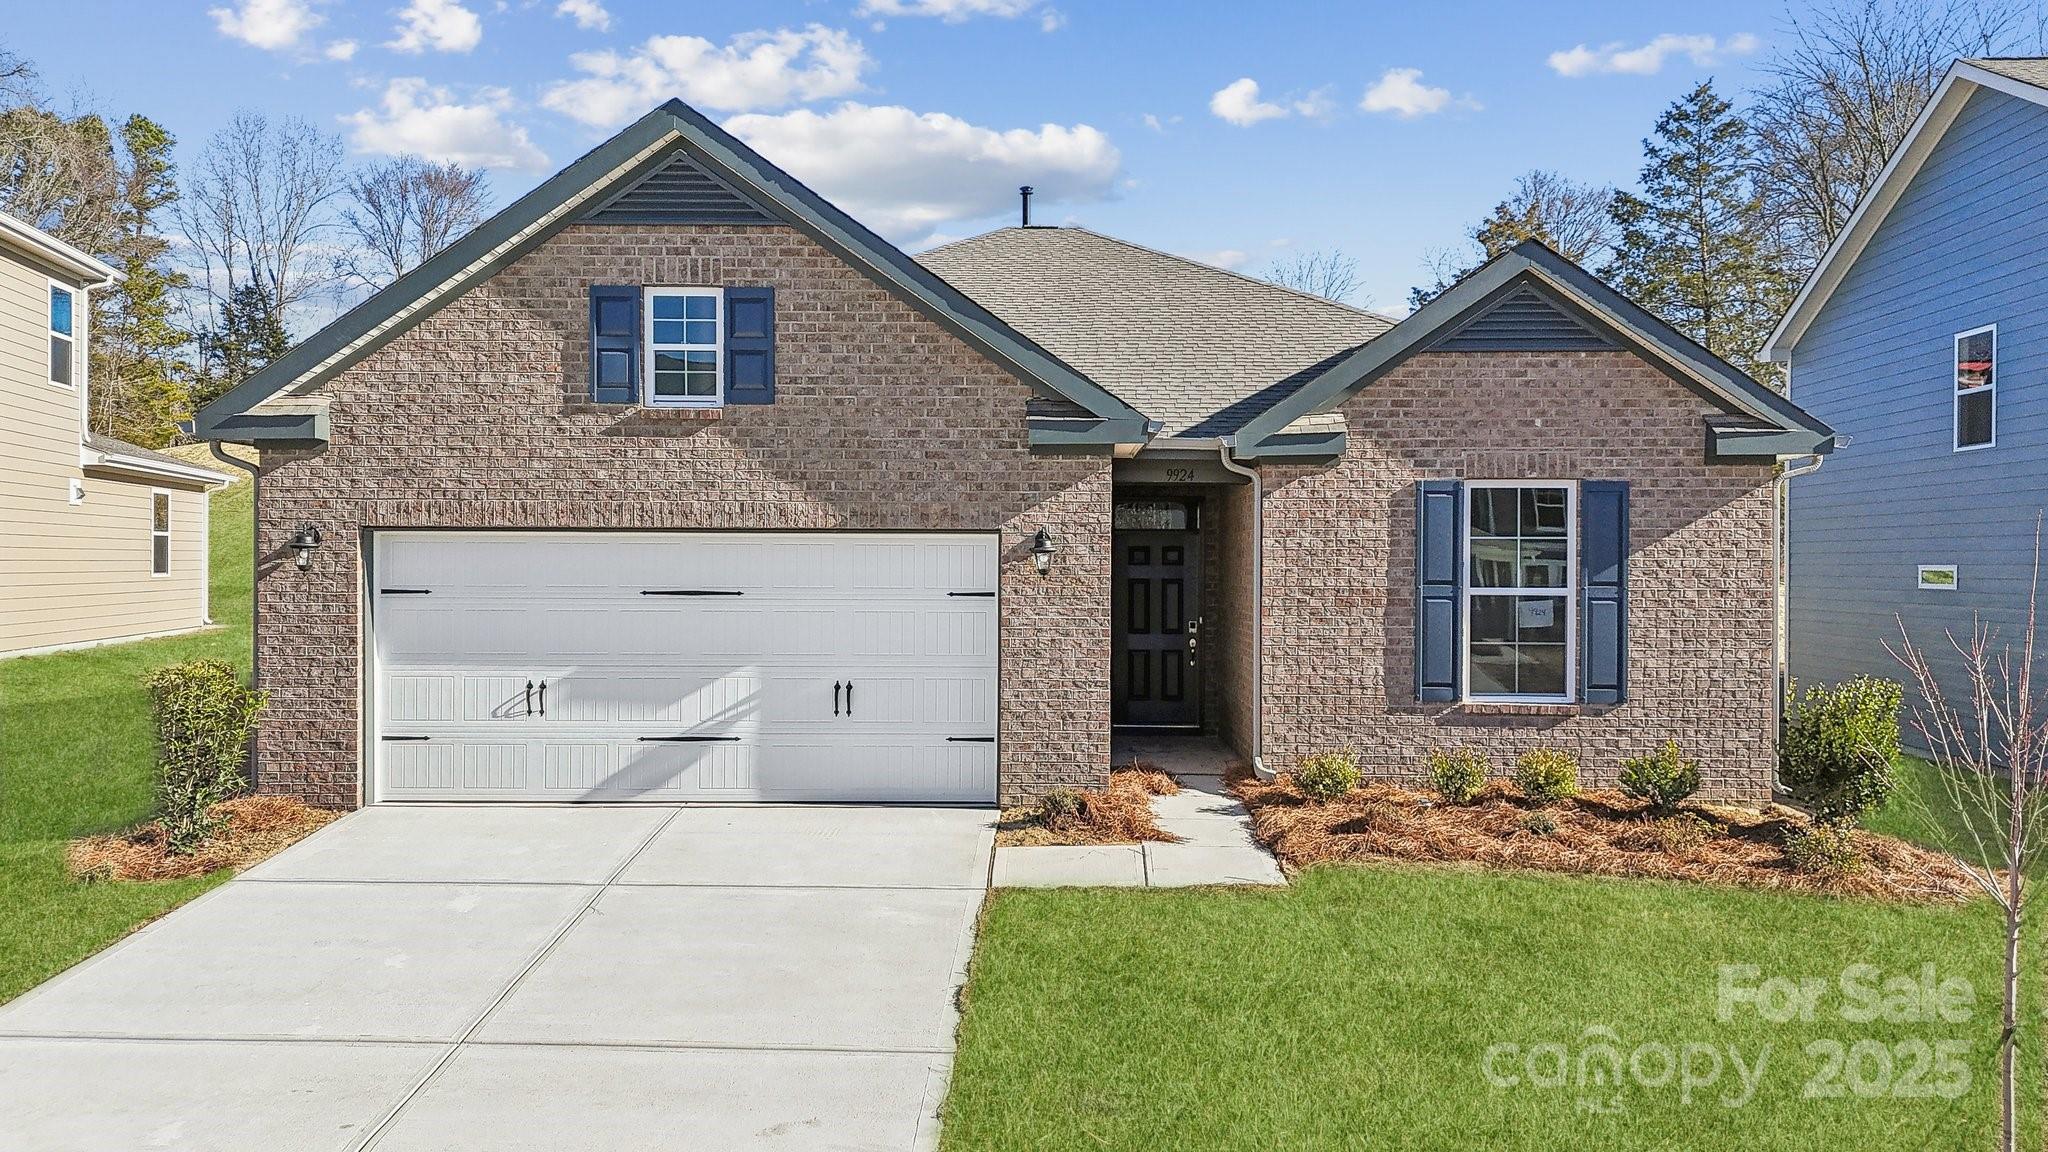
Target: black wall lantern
[(302, 543), (1041, 551)]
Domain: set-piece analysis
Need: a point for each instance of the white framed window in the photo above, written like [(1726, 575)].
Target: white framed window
[(63, 338), (685, 348), (1938, 577), (1976, 388), (1521, 555), (159, 532)]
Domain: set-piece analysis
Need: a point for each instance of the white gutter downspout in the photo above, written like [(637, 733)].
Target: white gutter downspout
[(1781, 619), (1224, 448)]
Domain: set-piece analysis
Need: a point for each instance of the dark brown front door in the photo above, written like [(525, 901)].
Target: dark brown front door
[(1156, 599)]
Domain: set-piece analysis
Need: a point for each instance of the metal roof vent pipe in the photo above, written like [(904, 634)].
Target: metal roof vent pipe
[(1024, 194)]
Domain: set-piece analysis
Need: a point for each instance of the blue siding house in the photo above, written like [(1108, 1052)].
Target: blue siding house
[(1922, 338)]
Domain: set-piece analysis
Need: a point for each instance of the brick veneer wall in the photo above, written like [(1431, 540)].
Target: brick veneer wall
[(479, 418), (1340, 569)]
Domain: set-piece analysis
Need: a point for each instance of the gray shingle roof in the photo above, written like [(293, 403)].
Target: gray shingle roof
[(102, 442), (2025, 69), (1198, 348)]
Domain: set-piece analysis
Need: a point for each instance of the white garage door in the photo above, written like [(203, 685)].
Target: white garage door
[(684, 666)]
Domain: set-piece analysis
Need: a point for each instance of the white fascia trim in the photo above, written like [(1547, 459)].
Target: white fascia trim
[(93, 458), (41, 244), (1955, 89), (461, 279)]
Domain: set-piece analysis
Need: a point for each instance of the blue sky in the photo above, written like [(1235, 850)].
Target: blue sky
[(1380, 129)]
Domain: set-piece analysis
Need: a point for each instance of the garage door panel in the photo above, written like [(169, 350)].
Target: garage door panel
[(685, 696)]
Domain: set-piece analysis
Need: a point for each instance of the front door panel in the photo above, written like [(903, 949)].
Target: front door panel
[(1157, 605)]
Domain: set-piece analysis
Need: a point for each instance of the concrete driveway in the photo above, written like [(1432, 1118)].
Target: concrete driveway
[(527, 978)]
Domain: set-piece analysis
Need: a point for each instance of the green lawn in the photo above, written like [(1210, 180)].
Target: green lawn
[(1356, 1010), (75, 755)]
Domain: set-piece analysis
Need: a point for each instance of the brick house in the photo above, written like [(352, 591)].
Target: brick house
[(672, 481)]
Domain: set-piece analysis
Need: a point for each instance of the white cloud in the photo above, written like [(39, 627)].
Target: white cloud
[(418, 118), (439, 25), (1238, 103), (1051, 20), (906, 174), (1648, 59), (271, 24), (1159, 123), (340, 50), (1402, 92), (1231, 258), (951, 11), (754, 70), (587, 14)]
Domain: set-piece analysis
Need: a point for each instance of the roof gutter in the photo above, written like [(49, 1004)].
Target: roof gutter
[(1781, 523), (1225, 447)]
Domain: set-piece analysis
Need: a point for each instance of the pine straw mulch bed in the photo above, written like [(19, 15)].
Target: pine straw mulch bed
[(255, 827), (1118, 814), (1598, 833)]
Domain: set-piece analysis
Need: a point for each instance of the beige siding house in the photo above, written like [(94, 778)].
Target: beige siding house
[(100, 541)]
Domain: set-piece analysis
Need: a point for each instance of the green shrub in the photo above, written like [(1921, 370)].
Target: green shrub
[(1539, 824), (1839, 744), (1682, 833), (204, 718), (1547, 775), (1327, 775), (1823, 850), (1664, 777), (1060, 807), (1458, 776)]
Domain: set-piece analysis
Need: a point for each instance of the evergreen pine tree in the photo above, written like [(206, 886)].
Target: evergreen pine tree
[(248, 335), (1693, 247), (138, 378)]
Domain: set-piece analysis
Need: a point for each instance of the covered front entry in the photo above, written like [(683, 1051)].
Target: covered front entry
[(664, 666), (1156, 606)]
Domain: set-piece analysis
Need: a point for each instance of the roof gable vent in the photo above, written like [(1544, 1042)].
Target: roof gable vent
[(679, 191), (1525, 320)]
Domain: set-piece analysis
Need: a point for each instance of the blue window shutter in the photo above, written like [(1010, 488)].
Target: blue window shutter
[(750, 345), (1603, 591), (614, 343), (1439, 576)]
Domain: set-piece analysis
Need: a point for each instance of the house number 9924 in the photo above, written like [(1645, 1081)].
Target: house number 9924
[(1180, 475)]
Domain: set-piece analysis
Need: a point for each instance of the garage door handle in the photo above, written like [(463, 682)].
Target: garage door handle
[(835, 697), (543, 699), (849, 697), (970, 739), (689, 739), (970, 593), (407, 739), (529, 697), (688, 592), (405, 591)]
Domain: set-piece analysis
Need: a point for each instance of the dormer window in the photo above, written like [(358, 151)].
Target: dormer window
[(63, 351)]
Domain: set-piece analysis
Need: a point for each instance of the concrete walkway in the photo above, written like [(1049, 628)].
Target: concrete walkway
[(527, 978), (1216, 843)]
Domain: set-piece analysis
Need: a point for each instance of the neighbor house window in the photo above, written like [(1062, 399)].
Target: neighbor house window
[(1938, 577), (1977, 388), (685, 351), (1520, 615), (61, 354), (160, 533)]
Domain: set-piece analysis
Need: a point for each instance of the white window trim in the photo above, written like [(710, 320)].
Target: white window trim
[(170, 514), (648, 348), (77, 307), (1954, 578), (1955, 407), (1570, 592)]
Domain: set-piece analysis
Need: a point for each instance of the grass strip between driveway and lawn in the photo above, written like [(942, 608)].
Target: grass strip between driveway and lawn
[(76, 751), (1358, 1008)]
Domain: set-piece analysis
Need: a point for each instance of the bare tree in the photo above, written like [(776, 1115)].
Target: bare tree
[(58, 171), (259, 210), (1990, 752), (1329, 274), (1850, 80), (404, 211), (1572, 218)]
